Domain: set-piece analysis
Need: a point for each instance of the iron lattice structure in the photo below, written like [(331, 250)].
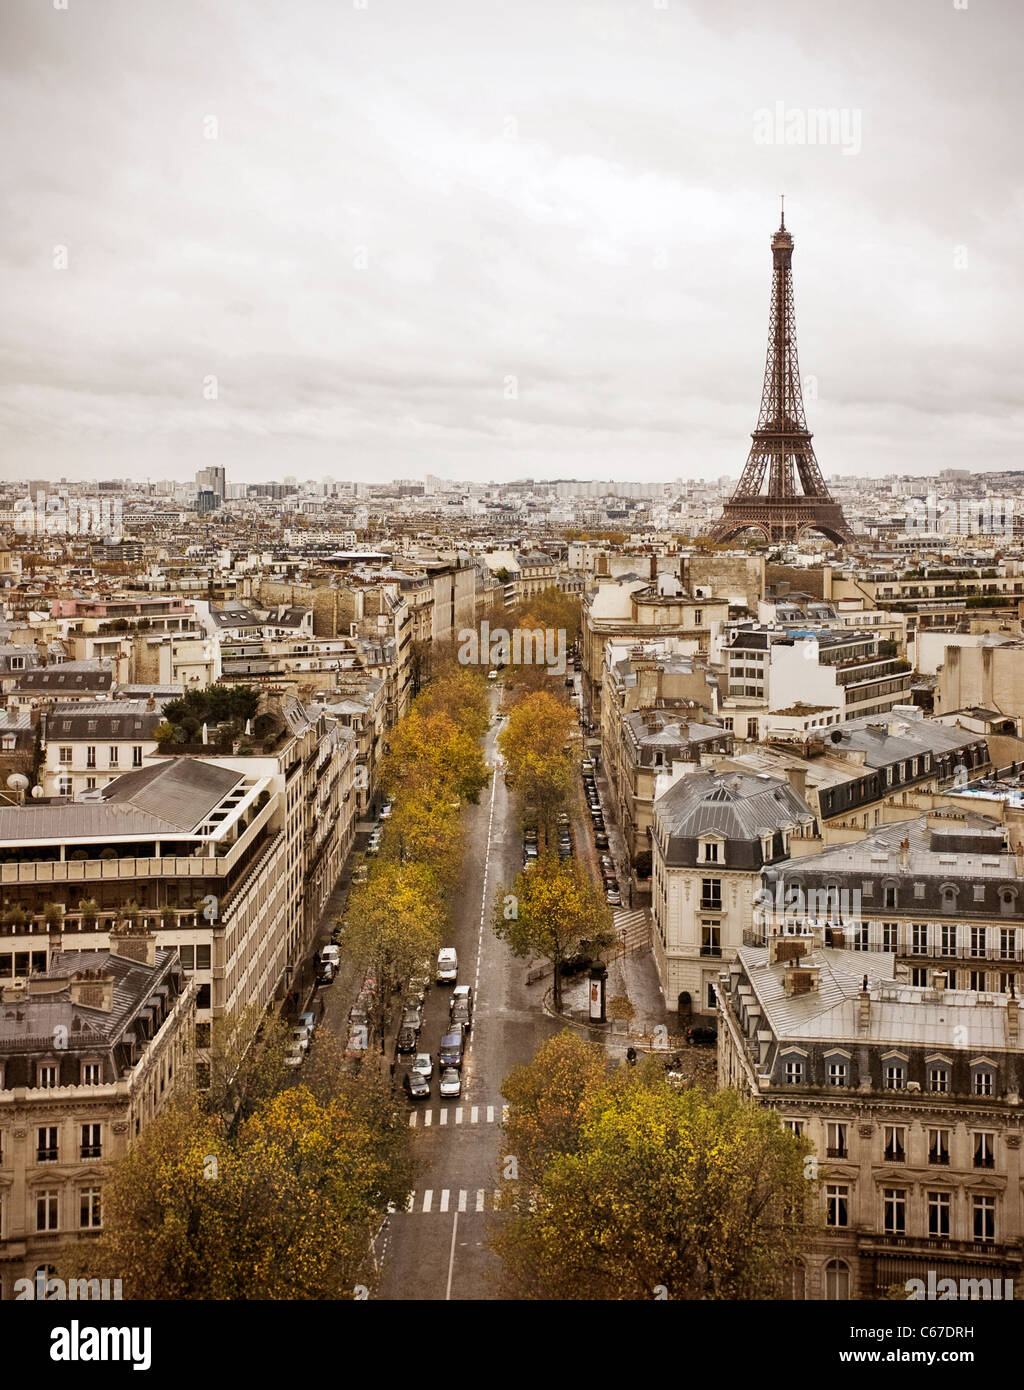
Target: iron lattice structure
[(781, 450)]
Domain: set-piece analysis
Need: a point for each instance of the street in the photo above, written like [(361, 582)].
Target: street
[(435, 1248)]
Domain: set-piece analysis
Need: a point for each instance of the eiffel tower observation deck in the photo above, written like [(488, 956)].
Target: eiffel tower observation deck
[(796, 499)]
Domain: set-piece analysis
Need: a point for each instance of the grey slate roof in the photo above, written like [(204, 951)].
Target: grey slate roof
[(733, 804)]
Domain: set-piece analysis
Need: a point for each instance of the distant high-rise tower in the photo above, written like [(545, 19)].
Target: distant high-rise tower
[(782, 443)]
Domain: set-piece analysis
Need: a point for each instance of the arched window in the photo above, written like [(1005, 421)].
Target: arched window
[(837, 1280)]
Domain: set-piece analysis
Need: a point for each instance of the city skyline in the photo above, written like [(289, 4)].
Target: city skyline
[(397, 254)]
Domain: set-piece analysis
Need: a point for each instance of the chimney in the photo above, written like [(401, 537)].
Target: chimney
[(93, 989), (863, 1007), (904, 854), (133, 943), (14, 992), (797, 778), (800, 979), (939, 979), (151, 704), (784, 947)]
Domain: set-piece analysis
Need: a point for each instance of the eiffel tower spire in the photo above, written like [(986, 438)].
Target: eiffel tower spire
[(781, 448)]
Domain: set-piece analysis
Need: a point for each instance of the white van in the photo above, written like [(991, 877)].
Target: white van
[(447, 966)]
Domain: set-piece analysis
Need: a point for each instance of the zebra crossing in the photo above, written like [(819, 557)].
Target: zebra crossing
[(633, 928), (458, 1115), (445, 1200)]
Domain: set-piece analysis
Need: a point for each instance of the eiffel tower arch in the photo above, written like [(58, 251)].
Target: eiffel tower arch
[(795, 500)]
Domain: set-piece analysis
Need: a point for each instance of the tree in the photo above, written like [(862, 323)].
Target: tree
[(394, 922), (550, 909), (429, 752), (247, 1051), (547, 1101), (533, 746), (702, 1194), (427, 829), (284, 1208)]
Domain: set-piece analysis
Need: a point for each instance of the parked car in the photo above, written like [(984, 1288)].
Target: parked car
[(424, 1064), (407, 1039), (613, 897), (462, 1015), (294, 1054), (333, 954), (461, 992), (300, 1036), (600, 839), (447, 966), (701, 1037), (308, 1022), (358, 1042), (325, 973), (587, 765), (563, 818), (451, 1084), (416, 1086), (412, 1016), (386, 810), (449, 1054)]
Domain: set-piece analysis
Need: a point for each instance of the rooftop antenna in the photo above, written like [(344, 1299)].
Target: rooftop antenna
[(782, 201)]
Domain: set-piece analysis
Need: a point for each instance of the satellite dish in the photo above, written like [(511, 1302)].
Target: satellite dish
[(836, 736), (17, 782), (37, 791)]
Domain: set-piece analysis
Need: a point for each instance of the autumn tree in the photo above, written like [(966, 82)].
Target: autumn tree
[(548, 1100), (532, 744), (550, 911), (247, 1052), (430, 753), (643, 1186), (284, 1208), (394, 922)]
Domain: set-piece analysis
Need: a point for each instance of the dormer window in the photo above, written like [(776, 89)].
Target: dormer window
[(711, 852)]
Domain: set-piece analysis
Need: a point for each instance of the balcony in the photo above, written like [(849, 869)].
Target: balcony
[(711, 904)]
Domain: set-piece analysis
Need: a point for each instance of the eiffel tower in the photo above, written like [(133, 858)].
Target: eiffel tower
[(782, 442)]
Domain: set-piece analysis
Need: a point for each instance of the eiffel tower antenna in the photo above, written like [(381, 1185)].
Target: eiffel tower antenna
[(782, 223), (781, 450)]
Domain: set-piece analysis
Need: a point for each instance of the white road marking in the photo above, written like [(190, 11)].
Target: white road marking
[(474, 1115), (490, 1114), (451, 1257), (479, 1199), (411, 1203), (458, 1114), (412, 1120), (428, 1117), (444, 1117), (444, 1201), (462, 1199), (428, 1199)]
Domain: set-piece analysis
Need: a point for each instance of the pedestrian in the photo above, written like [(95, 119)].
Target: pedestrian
[(631, 1056)]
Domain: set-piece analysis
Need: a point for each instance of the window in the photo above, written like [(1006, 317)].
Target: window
[(90, 755), (92, 1141), (895, 1076), (794, 1126), (90, 1073), (711, 894), (113, 755), (794, 1071), (90, 784), (895, 1139), (938, 1078), (836, 1139), (188, 957), (983, 1082), (837, 1204), (137, 755), (984, 1149), (64, 786), (46, 1144), (938, 1213), (64, 754), (837, 1073), (890, 895), (90, 1213), (1007, 943), (711, 939), (919, 938), (752, 723), (46, 1075), (890, 936), (894, 1210), (203, 957), (711, 852), (948, 947), (978, 941), (979, 980), (710, 997), (984, 1211), (938, 1147), (46, 1210), (837, 1280)]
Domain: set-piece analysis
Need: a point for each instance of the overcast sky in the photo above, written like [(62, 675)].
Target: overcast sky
[(487, 239)]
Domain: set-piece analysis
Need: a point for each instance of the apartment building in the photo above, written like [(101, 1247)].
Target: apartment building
[(988, 676), (91, 1049), (911, 1098), (637, 611), (713, 834), (86, 744), (941, 892)]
